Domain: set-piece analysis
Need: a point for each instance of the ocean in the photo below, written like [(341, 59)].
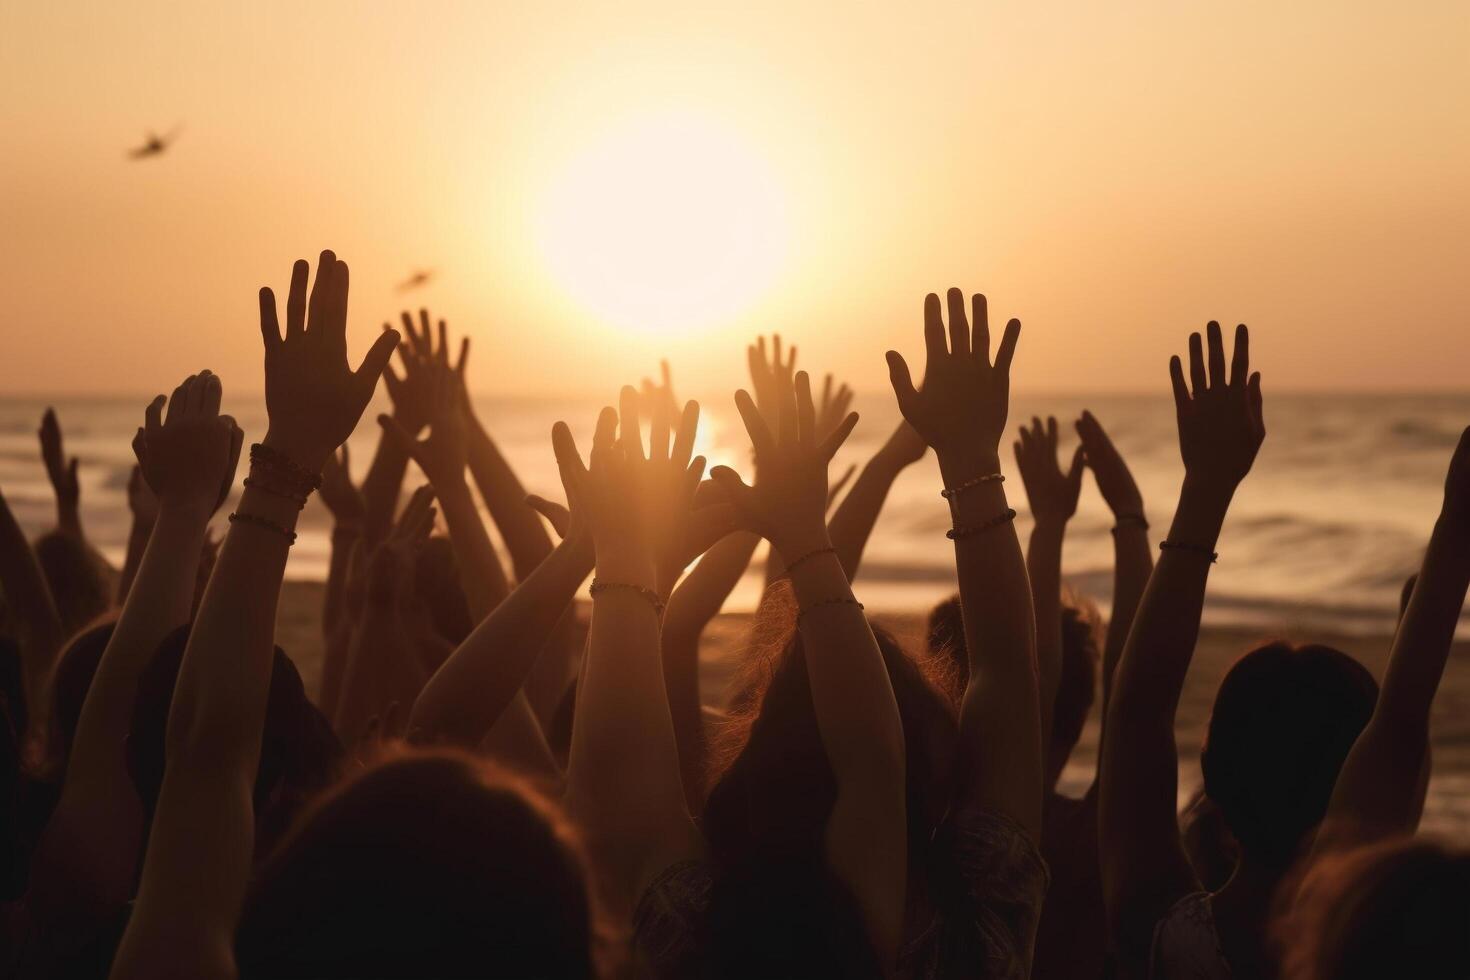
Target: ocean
[(1321, 535)]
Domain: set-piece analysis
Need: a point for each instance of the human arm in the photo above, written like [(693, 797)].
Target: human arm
[(1052, 494), (62, 473), (852, 697), (1143, 865), (853, 521), (200, 846), (412, 395), (29, 601), (960, 410), (345, 504), (144, 507), (1379, 790), (87, 859)]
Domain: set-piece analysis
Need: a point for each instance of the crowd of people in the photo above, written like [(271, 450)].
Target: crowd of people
[(490, 781)]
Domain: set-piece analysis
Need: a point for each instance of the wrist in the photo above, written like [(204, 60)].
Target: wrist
[(802, 541), (183, 509), (626, 565), (299, 451), (957, 466)]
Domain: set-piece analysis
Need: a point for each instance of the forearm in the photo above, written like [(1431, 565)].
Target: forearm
[(68, 516), (480, 573), (520, 526), (853, 521), (379, 670), (1000, 723), (29, 600), (1044, 569), (473, 687), (137, 541), (380, 489), (344, 539)]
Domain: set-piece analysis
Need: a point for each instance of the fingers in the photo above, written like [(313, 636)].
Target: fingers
[(827, 390), (568, 459), (1216, 347), (443, 341), (693, 474), (902, 381), (729, 481), (1253, 389), (604, 440), (464, 356), (684, 439), (415, 342), (834, 442), (153, 414), (178, 402), (630, 426), (934, 345), (1181, 391), (270, 327), (296, 300), (658, 431), (1197, 378), (1007, 349), (319, 305), (207, 394), (755, 425), (1240, 362), (806, 413), (980, 325), (1074, 473), (1051, 432), (786, 422), (959, 326), (232, 464)]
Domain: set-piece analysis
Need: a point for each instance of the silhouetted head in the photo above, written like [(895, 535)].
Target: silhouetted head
[(436, 585), (428, 864), (1283, 721), (1076, 687), (79, 581), (70, 682), (299, 754), (774, 791), (1397, 909)]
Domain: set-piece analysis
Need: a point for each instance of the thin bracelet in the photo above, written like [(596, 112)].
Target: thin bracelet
[(266, 523), (1137, 520), (967, 530), (298, 499), (643, 591), (949, 493), (810, 554), (1213, 556), (837, 601)]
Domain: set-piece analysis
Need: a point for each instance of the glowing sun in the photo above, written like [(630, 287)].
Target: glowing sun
[(667, 223)]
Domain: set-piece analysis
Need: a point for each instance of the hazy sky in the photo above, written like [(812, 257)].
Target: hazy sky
[(1113, 174)]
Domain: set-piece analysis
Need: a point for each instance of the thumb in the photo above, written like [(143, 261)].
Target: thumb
[(1074, 475), (71, 470), (559, 516), (902, 381), (376, 360), (729, 481)]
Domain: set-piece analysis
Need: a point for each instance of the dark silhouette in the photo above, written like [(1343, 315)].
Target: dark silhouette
[(154, 145)]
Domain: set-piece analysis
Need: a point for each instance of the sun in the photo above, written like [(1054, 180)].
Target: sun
[(667, 223)]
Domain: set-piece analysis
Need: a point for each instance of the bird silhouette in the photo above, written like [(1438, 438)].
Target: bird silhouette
[(419, 278), (155, 145)]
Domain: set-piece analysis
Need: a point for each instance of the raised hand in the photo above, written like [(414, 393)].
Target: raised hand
[(833, 407), (1114, 482), (960, 408), (389, 573), (61, 472), (788, 505), (653, 394), (413, 395), (443, 454), (188, 457), (769, 374), (312, 396), (569, 520), (340, 496), (1052, 493), (1220, 423)]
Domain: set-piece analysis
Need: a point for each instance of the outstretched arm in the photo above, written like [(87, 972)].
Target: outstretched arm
[(30, 602), (1144, 869), (144, 507), (1133, 561), (62, 473), (1379, 791), (853, 521), (856, 713), (87, 858), (199, 848), (1053, 498), (960, 410), (623, 781), (413, 400)]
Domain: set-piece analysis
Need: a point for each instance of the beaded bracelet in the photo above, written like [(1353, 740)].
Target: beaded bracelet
[(296, 498), (949, 493), (279, 464), (837, 601), (1213, 556), (642, 591), (1137, 520), (967, 530), (808, 555), (266, 523)]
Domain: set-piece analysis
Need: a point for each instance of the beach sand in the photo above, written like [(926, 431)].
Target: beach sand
[(1447, 811)]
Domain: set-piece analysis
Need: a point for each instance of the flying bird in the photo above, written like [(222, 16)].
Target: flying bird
[(154, 145), (419, 278)]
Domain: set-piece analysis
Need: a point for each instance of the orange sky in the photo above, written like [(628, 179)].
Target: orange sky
[(1113, 174)]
